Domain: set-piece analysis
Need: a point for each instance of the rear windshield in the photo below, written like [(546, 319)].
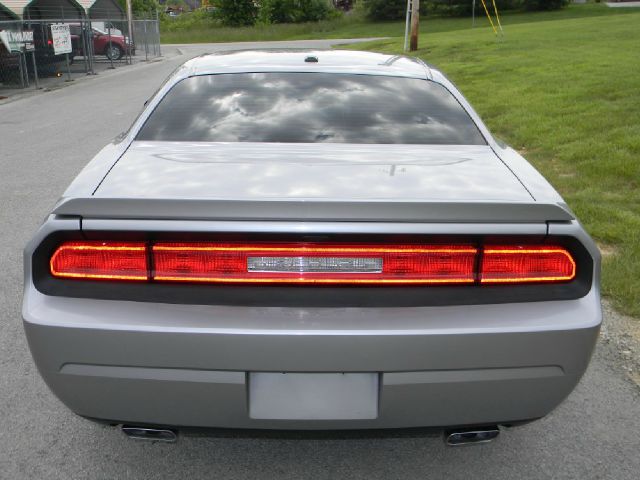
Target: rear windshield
[(310, 108)]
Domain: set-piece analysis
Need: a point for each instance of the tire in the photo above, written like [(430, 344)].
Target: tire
[(115, 52)]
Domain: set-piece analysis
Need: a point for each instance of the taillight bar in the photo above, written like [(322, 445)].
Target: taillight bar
[(525, 264), (312, 263), (101, 261)]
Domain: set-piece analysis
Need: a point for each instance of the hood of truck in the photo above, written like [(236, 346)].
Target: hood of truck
[(318, 172)]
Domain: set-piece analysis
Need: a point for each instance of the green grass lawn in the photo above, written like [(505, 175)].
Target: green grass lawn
[(561, 87), (566, 93), (198, 28)]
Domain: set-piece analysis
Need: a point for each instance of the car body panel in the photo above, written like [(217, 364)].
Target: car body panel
[(287, 60), (187, 364), (282, 210), (439, 366)]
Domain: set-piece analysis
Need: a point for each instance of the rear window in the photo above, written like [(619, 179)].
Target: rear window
[(310, 108)]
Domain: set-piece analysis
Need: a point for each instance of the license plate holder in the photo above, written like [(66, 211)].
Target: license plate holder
[(313, 396)]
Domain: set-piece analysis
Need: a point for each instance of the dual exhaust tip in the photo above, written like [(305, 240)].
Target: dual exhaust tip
[(470, 436), (454, 438), (155, 434)]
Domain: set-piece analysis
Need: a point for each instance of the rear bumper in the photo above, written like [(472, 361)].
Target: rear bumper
[(187, 365)]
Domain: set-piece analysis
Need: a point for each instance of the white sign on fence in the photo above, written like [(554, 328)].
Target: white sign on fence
[(61, 38)]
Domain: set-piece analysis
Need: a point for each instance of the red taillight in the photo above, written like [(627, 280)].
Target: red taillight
[(101, 261), (49, 42), (313, 263), (526, 264)]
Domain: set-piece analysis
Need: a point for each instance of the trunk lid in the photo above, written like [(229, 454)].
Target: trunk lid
[(326, 172), (311, 183)]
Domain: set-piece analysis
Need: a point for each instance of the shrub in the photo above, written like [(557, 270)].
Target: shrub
[(195, 19), (545, 4), (464, 7), (385, 9), (295, 11), (396, 9), (141, 7), (237, 13)]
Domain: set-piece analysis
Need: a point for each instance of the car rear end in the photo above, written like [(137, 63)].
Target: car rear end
[(169, 351), (312, 286)]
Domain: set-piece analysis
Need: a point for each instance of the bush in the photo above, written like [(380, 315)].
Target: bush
[(295, 11), (464, 7), (545, 4), (195, 19), (396, 9), (237, 13), (385, 9), (141, 7)]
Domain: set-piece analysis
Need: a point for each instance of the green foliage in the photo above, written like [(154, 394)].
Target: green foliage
[(396, 9), (465, 7), (237, 13), (185, 23), (355, 25), (561, 91), (295, 11), (385, 9), (141, 7), (545, 4)]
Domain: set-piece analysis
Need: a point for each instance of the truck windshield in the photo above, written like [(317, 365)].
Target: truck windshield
[(310, 108)]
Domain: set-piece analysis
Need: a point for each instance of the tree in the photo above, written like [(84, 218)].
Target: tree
[(545, 4), (295, 11), (237, 13), (141, 6)]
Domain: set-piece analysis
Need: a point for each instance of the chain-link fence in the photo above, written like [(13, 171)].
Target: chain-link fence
[(28, 55)]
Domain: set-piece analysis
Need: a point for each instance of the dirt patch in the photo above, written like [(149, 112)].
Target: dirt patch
[(607, 250), (624, 334)]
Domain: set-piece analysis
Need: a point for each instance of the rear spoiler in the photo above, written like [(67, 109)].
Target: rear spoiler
[(311, 210)]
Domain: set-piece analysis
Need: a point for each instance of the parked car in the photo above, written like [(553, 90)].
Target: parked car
[(107, 27), (312, 241), (112, 46)]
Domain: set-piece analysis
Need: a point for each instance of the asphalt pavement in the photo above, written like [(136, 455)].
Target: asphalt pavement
[(45, 140)]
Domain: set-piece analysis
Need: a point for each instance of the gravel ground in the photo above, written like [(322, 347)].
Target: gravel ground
[(622, 333), (45, 139)]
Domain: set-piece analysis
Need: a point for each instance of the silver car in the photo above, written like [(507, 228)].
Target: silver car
[(311, 240)]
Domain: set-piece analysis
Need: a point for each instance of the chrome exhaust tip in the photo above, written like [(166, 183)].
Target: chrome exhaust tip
[(155, 434), (469, 436)]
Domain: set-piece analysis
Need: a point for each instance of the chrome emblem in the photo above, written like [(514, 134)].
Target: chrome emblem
[(314, 264)]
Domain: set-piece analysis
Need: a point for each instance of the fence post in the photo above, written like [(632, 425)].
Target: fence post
[(110, 53), (158, 33), (66, 55), (90, 54), (35, 68), (83, 37), (146, 43), (21, 68), (23, 60)]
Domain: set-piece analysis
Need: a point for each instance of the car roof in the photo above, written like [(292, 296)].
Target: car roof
[(330, 61)]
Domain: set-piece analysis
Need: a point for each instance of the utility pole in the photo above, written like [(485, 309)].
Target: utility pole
[(415, 23)]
